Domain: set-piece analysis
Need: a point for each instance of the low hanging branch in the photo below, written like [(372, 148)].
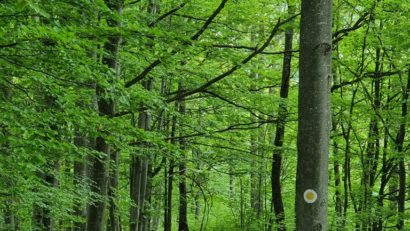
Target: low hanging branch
[(196, 36), (236, 67)]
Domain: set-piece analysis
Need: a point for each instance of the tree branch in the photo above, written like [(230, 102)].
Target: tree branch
[(196, 36), (240, 126), (209, 20), (236, 67), (369, 75), (252, 49), (233, 103), (152, 24), (338, 35), (9, 45)]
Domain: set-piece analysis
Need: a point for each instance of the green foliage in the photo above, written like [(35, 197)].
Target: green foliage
[(52, 57)]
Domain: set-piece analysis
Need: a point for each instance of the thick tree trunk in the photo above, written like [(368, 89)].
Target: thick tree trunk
[(314, 115), (98, 176)]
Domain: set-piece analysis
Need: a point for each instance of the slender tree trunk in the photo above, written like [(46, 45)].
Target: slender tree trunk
[(401, 198), (80, 173), (314, 115), (168, 206), (276, 200), (346, 165), (242, 205), (139, 172), (113, 224), (338, 194), (383, 182), (99, 164), (169, 183), (253, 178), (183, 202), (135, 175)]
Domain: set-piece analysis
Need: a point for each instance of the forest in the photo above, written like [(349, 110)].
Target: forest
[(219, 115)]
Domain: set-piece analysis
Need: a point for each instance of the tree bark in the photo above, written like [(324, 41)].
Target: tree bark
[(276, 200), (183, 202), (99, 164), (401, 198), (314, 115), (80, 173), (169, 176), (139, 172), (113, 221)]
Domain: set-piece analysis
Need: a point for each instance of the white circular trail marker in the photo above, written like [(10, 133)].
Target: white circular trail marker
[(310, 196)]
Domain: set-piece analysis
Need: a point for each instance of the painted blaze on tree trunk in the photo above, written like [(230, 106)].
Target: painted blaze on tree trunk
[(314, 115)]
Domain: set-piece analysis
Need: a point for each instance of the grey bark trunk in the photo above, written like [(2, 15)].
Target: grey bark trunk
[(99, 164), (139, 172), (314, 115)]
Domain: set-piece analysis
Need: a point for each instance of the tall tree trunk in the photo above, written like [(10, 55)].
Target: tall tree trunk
[(346, 131), (139, 172), (314, 115), (401, 198), (276, 200), (99, 164), (253, 178), (183, 202), (113, 218), (168, 205), (169, 175), (373, 149), (80, 173), (253, 149)]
